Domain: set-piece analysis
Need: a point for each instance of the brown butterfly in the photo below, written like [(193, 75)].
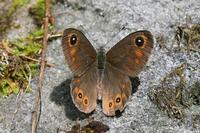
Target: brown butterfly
[(104, 76)]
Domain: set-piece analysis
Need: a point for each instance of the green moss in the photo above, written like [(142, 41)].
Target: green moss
[(17, 63), (18, 58), (15, 4), (25, 47), (37, 11), (36, 33), (7, 87)]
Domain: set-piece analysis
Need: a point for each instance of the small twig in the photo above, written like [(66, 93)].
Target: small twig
[(38, 103), (29, 58), (54, 36)]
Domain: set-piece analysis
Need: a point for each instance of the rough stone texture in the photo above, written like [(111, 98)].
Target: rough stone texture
[(102, 22), (21, 18)]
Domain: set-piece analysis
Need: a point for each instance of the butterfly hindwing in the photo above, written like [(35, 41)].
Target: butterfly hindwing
[(84, 90), (116, 89)]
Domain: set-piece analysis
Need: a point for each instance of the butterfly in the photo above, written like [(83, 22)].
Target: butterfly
[(104, 76)]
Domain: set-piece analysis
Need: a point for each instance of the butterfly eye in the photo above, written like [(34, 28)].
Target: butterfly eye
[(80, 95), (73, 39), (110, 105), (139, 41), (118, 100), (85, 101)]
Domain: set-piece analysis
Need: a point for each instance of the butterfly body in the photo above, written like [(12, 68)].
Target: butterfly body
[(104, 76)]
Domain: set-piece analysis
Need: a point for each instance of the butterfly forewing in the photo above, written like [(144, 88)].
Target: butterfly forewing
[(131, 53), (78, 51)]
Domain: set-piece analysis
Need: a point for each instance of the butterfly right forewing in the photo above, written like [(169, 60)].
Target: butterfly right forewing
[(78, 51)]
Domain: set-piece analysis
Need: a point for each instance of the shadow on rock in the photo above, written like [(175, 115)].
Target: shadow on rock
[(135, 82), (61, 96)]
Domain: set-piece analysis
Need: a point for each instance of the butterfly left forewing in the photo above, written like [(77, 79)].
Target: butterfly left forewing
[(131, 53)]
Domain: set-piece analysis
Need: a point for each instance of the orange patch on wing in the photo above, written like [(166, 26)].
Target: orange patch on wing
[(73, 59), (75, 90), (72, 51), (76, 81), (137, 61), (139, 53)]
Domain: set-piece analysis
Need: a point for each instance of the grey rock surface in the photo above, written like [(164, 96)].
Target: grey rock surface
[(105, 22)]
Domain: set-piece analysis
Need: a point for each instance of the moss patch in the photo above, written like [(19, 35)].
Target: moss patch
[(18, 63), (173, 98), (189, 37), (37, 11)]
